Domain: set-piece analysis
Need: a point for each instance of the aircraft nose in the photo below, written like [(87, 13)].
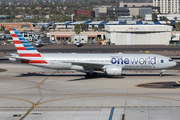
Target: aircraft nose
[(175, 63)]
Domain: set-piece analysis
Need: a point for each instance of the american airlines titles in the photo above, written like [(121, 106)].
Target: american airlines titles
[(142, 61)]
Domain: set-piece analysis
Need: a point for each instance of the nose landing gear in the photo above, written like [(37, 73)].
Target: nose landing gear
[(161, 73)]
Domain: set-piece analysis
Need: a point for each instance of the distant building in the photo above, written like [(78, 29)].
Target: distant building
[(125, 11), (139, 34), (123, 18), (84, 12), (18, 26), (141, 11), (167, 6), (64, 8), (19, 8), (168, 16), (2, 17), (101, 12), (38, 8), (118, 11), (122, 4), (47, 17), (69, 36), (19, 16), (47, 8)]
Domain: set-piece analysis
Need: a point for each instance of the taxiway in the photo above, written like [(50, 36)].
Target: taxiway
[(28, 92)]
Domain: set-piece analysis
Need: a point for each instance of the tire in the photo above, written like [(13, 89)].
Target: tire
[(94, 75), (87, 75)]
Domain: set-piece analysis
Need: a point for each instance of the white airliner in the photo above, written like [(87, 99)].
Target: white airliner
[(111, 64), (39, 43), (78, 43)]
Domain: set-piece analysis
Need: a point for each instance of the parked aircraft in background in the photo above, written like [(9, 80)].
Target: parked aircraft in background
[(78, 43), (111, 64), (39, 43)]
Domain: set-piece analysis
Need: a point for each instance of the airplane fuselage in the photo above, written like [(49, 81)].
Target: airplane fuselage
[(98, 61)]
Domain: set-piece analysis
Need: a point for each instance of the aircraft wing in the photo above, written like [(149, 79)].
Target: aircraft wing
[(87, 63)]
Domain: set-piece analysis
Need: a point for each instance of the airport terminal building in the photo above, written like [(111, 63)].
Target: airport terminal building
[(138, 34)]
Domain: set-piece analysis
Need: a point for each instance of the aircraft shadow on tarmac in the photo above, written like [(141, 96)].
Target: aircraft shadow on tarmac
[(122, 76), (100, 75), (38, 74)]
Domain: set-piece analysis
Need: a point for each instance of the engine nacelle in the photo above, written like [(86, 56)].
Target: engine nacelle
[(114, 70)]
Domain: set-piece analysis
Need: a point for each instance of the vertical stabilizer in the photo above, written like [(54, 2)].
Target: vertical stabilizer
[(24, 48)]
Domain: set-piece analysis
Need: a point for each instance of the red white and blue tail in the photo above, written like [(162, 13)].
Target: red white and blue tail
[(26, 52), (24, 48)]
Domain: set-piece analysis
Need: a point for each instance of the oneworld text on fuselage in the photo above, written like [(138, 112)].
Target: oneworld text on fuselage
[(121, 60)]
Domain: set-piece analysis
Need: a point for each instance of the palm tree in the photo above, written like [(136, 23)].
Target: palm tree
[(77, 29), (125, 23), (2, 28), (175, 18), (43, 29), (166, 19)]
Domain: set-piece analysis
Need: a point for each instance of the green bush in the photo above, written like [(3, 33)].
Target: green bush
[(7, 42)]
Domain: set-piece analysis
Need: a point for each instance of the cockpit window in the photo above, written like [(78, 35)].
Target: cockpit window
[(170, 60)]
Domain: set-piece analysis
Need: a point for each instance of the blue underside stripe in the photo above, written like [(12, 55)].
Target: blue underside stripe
[(27, 45), (19, 35), (23, 41), (22, 38), (30, 49), (16, 32)]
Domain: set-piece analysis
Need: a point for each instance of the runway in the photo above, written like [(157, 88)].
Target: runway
[(28, 92)]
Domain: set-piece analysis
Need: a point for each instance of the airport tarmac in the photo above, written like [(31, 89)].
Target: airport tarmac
[(28, 92)]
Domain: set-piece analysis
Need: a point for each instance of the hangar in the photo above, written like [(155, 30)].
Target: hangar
[(139, 34)]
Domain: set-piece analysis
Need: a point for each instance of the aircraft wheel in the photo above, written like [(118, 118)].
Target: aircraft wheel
[(87, 75), (94, 75), (160, 74)]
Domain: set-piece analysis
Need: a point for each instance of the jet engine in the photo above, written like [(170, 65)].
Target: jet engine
[(114, 70)]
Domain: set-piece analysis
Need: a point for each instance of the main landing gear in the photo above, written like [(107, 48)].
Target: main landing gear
[(92, 75)]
